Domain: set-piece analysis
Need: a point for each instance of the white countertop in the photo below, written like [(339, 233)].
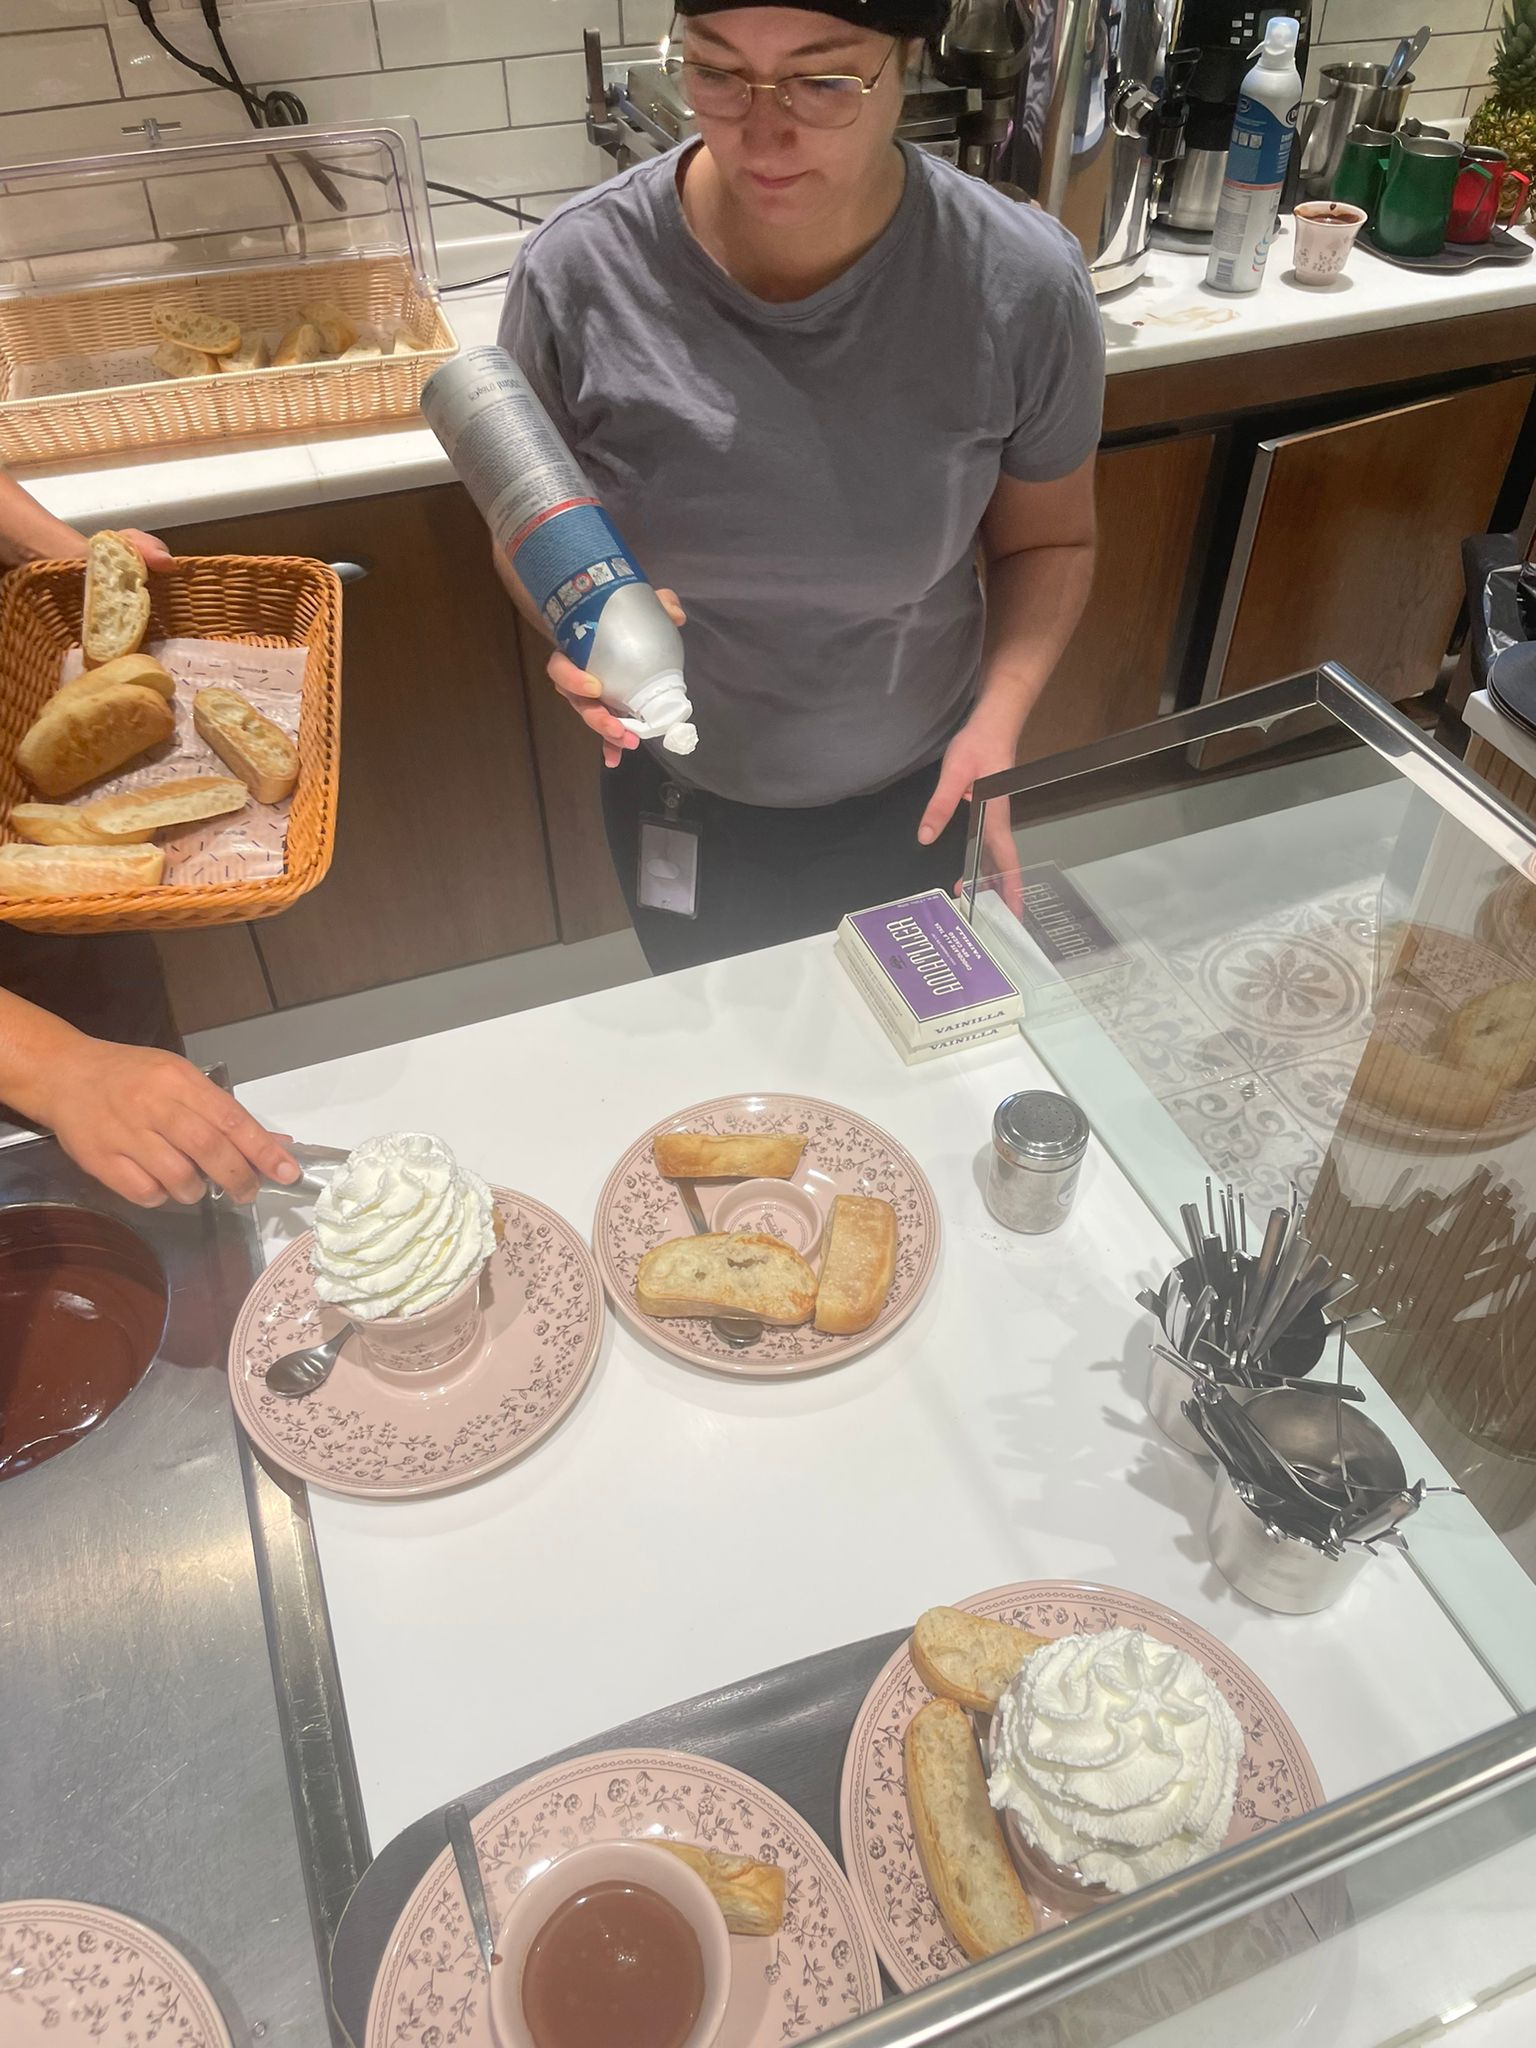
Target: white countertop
[(1485, 718), (1168, 317), (683, 1530)]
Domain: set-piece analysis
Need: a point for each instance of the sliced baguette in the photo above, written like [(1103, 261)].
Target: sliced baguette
[(63, 825), (965, 1859), (184, 801), (252, 353), (737, 1274), (1495, 1034), (258, 751), (176, 361), (968, 1659), (857, 1266), (80, 736), (78, 870), (750, 1895), (1425, 1093), (301, 344), (116, 614), (186, 326), (332, 325), (698, 1155), (140, 669)]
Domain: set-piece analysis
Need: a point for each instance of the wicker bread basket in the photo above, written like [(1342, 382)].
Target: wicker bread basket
[(67, 328), (258, 600)]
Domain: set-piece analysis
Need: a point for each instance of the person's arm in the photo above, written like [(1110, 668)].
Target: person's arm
[(1039, 545), (144, 1122), (29, 533)]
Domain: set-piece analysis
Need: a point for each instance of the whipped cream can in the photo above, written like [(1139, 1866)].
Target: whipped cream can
[(563, 548)]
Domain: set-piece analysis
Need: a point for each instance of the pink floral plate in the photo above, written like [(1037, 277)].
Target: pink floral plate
[(843, 1155), (358, 1435), (1447, 971), (80, 1976), (1276, 1780), (818, 1971)]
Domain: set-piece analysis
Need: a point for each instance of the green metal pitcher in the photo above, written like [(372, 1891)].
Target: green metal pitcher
[(1363, 166), (1415, 200)]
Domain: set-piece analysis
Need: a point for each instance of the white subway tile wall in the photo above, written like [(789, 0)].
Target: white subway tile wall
[(496, 86), (1451, 75)]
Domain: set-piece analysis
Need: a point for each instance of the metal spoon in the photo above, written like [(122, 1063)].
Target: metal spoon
[(1404, 55), (737, 1331), (467, 1859), (300, 1372)]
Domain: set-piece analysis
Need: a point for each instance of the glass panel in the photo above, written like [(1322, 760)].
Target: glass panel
[(251, 200), (1319, 973)]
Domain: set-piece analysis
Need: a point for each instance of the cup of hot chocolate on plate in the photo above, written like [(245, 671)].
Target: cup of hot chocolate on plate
[(615, 1942), (402, 1237), (1325, 233)]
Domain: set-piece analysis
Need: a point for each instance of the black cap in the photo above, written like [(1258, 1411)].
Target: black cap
[(885, 17)]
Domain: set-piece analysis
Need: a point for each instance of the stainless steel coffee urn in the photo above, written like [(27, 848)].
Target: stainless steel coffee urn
[(1100, 108)]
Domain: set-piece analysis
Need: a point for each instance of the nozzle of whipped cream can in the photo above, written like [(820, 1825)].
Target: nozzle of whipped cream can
[(1039, 1140), (565, 551)]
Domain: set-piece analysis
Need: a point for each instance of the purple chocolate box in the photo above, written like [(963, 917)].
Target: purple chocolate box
[(931, 958)]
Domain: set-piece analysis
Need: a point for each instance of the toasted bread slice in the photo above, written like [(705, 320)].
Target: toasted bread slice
[(335, 329), (698, 1155), (857, 1265), (116, 599), (965, 1859), (735, 1274), (78, 870), (1428, 1093), (211, 334), (142, 670), (301, 344), (750, 1895), (61, 825), (966, 1658), (176, 361), (184, 801), (80, 736), (1495, 1034), (258, 751)]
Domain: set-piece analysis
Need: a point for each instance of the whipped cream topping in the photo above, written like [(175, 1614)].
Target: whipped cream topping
[(1118, 1755), (401, 1225)]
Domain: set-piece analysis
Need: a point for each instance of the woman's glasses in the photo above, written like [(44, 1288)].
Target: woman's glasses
[(820, 100)]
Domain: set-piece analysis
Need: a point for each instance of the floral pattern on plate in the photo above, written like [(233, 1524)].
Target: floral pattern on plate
[(1276, 1780), (360, 1435), (818, 1971), (73, 1974), (638, 1209)]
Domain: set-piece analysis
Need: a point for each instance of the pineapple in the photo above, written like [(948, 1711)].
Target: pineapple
[(1507, 118)]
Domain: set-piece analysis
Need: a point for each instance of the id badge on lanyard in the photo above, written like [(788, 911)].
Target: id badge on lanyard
[(668, 873)]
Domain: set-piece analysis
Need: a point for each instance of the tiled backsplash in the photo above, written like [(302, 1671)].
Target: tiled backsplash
[(495, 85)]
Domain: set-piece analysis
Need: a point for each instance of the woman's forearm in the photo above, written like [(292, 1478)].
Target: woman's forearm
[(28, 532), (34, 1045), (1034, 601)]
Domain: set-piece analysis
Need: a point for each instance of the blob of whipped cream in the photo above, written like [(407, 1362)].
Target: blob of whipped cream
[(401, 1225), (1118, 1755)]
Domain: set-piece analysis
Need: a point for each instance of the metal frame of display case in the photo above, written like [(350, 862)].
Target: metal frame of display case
[(1278, 712)]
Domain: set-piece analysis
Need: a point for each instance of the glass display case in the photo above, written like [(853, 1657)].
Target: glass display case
[(1311, 981)]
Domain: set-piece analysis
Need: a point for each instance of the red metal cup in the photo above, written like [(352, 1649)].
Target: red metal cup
[(1486, 186)]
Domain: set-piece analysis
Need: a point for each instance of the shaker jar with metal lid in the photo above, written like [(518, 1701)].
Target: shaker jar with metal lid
[(1038, 1142)]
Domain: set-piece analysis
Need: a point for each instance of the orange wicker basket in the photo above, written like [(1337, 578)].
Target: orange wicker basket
[(256, 600), (65, 328)]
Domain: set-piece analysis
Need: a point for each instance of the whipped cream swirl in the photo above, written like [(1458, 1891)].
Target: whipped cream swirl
[(1118, 1755), (401, 1225)]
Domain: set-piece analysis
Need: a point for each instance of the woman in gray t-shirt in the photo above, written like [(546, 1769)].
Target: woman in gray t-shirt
[(811, 371)]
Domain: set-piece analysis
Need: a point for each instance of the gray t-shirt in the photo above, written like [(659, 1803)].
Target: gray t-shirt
[(810, 477)]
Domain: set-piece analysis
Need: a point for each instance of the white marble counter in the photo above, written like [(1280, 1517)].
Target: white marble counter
[(1485, 718), (1168, 317)]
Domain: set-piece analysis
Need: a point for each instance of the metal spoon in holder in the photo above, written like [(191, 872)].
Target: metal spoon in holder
[(1193, 1311)]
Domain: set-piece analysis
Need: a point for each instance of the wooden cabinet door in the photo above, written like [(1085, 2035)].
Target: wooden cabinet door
[(440, 856), (1111, 677), (1350, 544)]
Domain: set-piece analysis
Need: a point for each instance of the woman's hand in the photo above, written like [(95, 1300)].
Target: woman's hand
[(150, 1126), (980, 748), (583, 692), (154, 550)]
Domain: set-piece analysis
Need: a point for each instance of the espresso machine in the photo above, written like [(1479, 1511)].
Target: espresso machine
[(1217, 38)]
